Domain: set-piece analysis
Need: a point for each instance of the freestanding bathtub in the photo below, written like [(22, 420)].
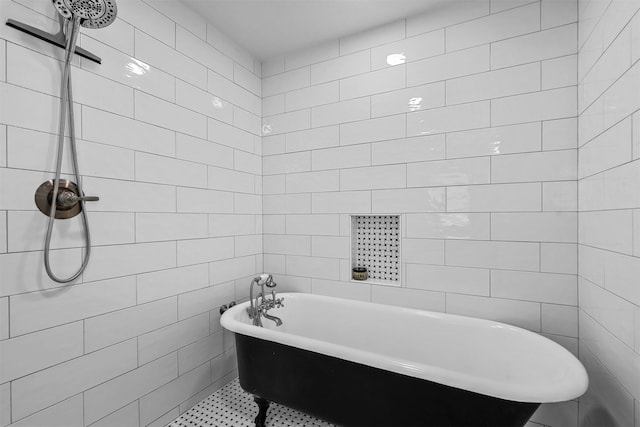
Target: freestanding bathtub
[(362, 364)]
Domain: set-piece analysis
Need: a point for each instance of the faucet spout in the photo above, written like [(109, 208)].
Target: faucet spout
[(275, 319)]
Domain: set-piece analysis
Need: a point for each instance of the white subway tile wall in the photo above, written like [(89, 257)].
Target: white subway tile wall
[(168, 131), (482, 124), (608, 202), (465, 126), (409, 130)]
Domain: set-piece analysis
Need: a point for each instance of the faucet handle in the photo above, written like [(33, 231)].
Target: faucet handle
[(275, 302)]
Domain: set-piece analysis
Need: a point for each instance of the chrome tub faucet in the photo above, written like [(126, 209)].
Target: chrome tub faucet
[(261, 304)]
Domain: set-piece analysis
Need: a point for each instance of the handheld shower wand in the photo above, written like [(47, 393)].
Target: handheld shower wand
[(62, 198)]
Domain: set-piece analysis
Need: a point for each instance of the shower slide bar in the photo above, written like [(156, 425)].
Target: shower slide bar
[(55, 39)]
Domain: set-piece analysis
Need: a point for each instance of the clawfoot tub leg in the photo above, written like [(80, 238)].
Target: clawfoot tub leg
[(263, 405)]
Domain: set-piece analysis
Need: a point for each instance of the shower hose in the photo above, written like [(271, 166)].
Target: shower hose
[(66, 105)]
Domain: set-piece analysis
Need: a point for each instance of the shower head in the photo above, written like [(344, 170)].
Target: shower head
[(92, 13)]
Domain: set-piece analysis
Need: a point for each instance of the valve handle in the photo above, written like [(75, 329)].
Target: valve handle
[(68, 198)]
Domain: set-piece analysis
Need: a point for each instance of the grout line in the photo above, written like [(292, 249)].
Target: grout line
[(9, 335), (6, 66), (540, 324), (540, 15), (541, 70), (540, 257), (11, 383)]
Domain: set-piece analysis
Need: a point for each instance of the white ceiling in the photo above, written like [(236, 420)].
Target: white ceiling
[(268, 28)]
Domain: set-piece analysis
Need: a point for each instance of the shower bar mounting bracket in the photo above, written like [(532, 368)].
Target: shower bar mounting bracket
[(55, 39)]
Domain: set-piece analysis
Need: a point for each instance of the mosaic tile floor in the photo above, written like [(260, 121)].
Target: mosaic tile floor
[(233, 407)]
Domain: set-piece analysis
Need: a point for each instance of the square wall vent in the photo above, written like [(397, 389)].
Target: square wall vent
[(375, 244)]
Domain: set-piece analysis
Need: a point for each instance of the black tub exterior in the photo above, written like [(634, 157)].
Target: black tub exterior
[(352, 394)]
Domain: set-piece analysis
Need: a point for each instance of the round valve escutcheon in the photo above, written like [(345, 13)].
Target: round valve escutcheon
[(67, 200)]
